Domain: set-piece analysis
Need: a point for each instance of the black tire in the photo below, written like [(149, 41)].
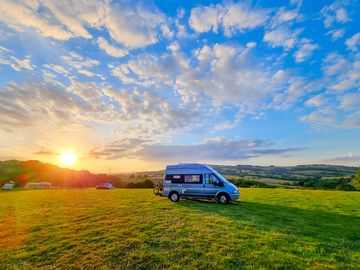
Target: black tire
[(174, 196), (223, 198)]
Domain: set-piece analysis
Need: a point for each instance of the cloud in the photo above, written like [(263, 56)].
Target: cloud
[(135, 25), (216, 149), (46, 153), (7, 57), (338, 105), (231, 17), (335, 13), (353, 43), (336, 33), (349, 157), (32, 104), (350, 101), (110, 49), (205, 19), (226, 73), (282, 37), (152, 69), (57, 68), (19, 15), (306, 49), (86, 72), (316, 101), (131, 24), (77, 61)]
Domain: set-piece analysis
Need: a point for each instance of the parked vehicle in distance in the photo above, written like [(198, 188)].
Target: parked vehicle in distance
[(195, 181), (104, 186)]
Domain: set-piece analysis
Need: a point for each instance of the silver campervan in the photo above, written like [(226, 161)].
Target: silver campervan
[(196, 181)]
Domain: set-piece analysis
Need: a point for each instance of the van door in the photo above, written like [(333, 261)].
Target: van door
[(212, 184), (192, 185)]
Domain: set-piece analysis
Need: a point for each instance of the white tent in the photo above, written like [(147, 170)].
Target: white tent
[(8, 186), (38, 185)]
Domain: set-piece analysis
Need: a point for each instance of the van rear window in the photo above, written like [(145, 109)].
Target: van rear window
[(184, 178)]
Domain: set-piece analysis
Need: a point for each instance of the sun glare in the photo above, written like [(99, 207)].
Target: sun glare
[(68, 158)]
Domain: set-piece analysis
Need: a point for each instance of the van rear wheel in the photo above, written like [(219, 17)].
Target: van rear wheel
[(174, 196), (223, 198)]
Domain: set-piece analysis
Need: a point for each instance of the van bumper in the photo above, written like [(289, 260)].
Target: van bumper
[(235, 197)]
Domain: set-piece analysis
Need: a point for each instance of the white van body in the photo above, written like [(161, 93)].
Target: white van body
[(197, 181)]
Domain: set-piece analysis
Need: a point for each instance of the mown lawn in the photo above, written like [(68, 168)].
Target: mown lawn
[(133, 229)]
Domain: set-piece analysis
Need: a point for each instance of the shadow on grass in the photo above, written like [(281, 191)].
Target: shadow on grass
[(299, 222)]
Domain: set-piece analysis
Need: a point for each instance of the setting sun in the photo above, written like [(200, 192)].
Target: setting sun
[(68, 158)]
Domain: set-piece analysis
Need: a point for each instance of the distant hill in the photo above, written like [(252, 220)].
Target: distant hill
[(23, 172), (300, 171)]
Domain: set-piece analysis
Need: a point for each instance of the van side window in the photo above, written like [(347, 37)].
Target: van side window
[(184, 178), (192, 178), (211, 178)]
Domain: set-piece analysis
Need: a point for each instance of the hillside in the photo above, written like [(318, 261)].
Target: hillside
[(22, 172)]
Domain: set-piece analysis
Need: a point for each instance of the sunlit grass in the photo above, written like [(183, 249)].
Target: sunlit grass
[(133, 229)]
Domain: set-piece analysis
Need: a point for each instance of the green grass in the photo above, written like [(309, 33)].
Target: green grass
[(133, 229)]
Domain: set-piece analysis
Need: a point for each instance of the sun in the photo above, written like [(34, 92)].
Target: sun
[(68, 158)]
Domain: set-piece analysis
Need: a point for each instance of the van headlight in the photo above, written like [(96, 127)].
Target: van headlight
[(236, 191)]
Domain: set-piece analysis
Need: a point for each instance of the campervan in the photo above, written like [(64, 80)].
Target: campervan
[(195, 181)]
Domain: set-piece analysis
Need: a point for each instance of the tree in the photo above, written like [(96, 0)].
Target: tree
[(356, 180)]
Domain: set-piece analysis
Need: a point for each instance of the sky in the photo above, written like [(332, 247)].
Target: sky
[(135, 85)]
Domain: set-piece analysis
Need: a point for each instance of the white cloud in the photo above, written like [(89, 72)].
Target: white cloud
[(240, 17), (283, 17), (353, 43), (205, 19), (316, 101), (232, 17), (110, 49), (306, 49), (338, 106), (336, 33), (335, 13), (333, 64), (134, 25), (321, 117), (350, 101), (228, 75), (7, 57), (130, 24), (19, 15), (86, 72), (345, 159), (79, 62), (281, 76), (57, 68), (282, 37)]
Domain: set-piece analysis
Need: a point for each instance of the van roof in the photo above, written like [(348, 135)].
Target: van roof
[(188, 168)]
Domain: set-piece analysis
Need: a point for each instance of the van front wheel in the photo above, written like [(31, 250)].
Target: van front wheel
[(174, 196), (223, 198)]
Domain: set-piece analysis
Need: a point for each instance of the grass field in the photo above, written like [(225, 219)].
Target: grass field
[(133, 229)]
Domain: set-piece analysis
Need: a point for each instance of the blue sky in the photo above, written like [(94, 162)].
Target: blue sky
[(139, 84)]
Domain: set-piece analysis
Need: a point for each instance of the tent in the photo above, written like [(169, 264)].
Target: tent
[(38, 185), (8, 186)]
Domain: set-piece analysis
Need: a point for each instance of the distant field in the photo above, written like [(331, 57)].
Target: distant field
[(133, 229)]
